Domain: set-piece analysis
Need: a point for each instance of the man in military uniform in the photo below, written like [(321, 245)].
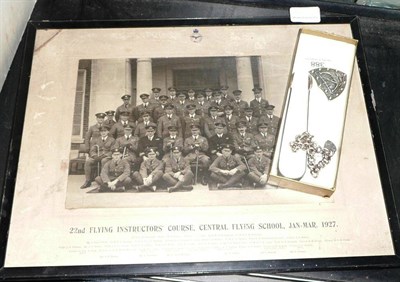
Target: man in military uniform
[(218, 140), (258, 104), (210, 121), (201, 105), (146, 106), (100, 154), (178, 173), (230, 119), (259, 166), (243, 142), (128, 144), (94, 131), (151, 170), (219, 102), (156, 96), (238, 104), (150, 141), (180, 104), (250, 121), (190, 119), (140, 130), (264, 140), (167, 120), (196, 148), (225, 95), (109, 121), (191, 98), (159, 111), (208, 95), (171, 141), (271, 119), (171, 94), (125, 107), (227, 170), (118, 128), (114, 176)]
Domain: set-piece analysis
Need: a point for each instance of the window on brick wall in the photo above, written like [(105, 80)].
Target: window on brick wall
[(77, 127)]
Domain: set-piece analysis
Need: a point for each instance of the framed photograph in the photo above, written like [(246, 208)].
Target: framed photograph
[(93, 195)]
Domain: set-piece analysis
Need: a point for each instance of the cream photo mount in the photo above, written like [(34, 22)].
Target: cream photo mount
[(287, 230)]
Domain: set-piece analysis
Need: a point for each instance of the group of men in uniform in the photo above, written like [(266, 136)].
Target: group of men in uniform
[(185, 137)]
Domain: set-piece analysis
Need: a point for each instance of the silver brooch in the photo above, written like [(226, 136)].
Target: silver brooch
[(331, 81)]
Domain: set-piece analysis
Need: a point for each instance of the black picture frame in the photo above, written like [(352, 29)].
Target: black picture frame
[(186, 268)]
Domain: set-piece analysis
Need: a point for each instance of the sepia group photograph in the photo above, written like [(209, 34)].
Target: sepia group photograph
[(207, 127)]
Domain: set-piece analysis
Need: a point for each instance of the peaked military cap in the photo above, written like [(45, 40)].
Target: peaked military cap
[(228, 107), (194, 126), (237, 92), (163, 97), (263, 124), (169, 106), (104, 128), (270, 107), (241, 124), (219, 124), (110, 113), (248, 109), (258, 148), (224, 87), (200, 94), (171, 88), (124, 113), (227, 146), (190, 106), (213, 108), (172, 128), (256, 89), (128, 127), (125, 97), (144, 95), (156, 90), (176, 148), (151, 126), (100, 115)]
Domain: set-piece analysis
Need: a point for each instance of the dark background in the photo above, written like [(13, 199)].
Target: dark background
[(380, 34)]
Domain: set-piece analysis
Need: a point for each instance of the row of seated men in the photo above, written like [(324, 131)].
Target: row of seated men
[(202, 99), (226, 157)]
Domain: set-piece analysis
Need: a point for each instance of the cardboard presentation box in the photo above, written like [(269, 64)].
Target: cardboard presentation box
[(310, 137)]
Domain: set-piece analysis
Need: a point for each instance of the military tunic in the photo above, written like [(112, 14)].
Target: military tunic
[(169, 142), (91, 134), (244, 144), (238, 107), (145, 143), (165, 121), (251, 124), (258, 107), (100, 152), (200, 144), (266, 142), (153, 168), (258, 167), (118, 128), (124, 108), (188, 121), (140, 130), (173, 166), (209, 125), (229, 163)]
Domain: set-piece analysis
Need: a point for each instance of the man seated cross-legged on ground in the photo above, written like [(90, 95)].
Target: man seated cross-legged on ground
[(259, 166), (227, 170), (178, 173), (151, 170), (114, 176)]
